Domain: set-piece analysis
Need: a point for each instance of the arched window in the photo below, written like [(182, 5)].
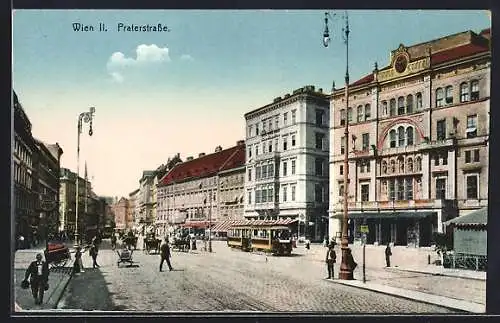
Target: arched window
[(409, 163), (393, 166), (401, 136), (384, 108), (392, 138), (349, 114), (418, 164), (409, 104), (439, 97), (360, 113), (409, 136), (384, 167), (368, 111), (401, 105), (419, 100), (392, 107), (464, 92), (449, 94), (342, 117), (401, 164)]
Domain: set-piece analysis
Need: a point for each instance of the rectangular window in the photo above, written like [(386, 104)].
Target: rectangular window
[(366, 141), (249, 175), (293, 140), (474, 90), (270, 170), (270, 124), (263, 196), (391, 188), (360, 113), (365, 192), (368, 111), (285, 143), (441, 129), (264, 171), (401, 106), (257, 172), (276, 144), (294, 116), (276, 122), (467, 156), (319, 140), (257, 196), (341, 190), (342, 117), (471, 130), (270, 195), (285, 118), (318, 193), (319, 167), (409, 188), (284, 194), (476, 155), (285, 169), (249, 197), (319, 117), (449, 95), (293, 193), (256, 129), (256, 150), (270, 146), (341, 169), (400, 189), (342, 145), (440, 188), (293, 167), (472, 186)]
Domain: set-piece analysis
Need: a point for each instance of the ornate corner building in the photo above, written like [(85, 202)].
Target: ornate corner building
[(287, 161), (418, 141)]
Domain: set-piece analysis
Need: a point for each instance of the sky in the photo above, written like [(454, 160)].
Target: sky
[(186, 90)]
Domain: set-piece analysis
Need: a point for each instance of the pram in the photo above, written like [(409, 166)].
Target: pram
[(125, 256)]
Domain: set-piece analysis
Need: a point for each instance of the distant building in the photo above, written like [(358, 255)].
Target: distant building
[(287, 161), (132, 211), (67, 202), (197, 191), (418, 141), (120, 209), (145, 199)]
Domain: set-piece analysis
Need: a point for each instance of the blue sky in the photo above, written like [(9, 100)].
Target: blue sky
[(186, 91)]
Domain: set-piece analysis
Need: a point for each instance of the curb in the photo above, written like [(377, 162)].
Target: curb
[(63, 290), (460, 305), (433, 274)]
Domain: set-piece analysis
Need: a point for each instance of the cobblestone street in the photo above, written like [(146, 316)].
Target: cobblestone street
[(224, 280)]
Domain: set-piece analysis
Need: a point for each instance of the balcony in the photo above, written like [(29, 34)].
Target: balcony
[(266, 156), (398, 205), (265, 206), (437, 144)]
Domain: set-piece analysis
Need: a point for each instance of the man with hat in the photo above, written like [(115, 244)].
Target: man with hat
[(38, 273), (331, 258)]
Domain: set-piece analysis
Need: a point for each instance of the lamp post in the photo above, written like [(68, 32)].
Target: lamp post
[(346, 270), (87, 118)]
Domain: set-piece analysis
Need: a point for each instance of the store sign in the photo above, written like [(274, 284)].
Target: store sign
[(47, 205), (401, 65), (364, 229)]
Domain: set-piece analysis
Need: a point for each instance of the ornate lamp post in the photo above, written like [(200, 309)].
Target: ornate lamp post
[(346, 270), (87, 118)]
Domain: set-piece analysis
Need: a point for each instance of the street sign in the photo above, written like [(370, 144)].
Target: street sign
[(364, 229)]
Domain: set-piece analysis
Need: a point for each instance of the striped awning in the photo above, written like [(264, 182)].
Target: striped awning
[(264, 223)]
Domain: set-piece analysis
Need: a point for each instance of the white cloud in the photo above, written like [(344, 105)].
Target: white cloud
[(145, 54), (186, 57)]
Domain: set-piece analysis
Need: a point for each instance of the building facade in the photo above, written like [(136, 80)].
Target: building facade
[(418, 141), (145, 199), (25, 197), (287, 161), (67, 202), (46, 162), (120, 209), (132, 210), (190, 193)]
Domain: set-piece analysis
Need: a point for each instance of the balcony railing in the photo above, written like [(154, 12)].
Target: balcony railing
[(398, 204), (267, 155)]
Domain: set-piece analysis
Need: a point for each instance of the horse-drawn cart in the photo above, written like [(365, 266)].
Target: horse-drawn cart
[(181, 244), (125, 256), (57, 254), (151, 244), (130, 241)]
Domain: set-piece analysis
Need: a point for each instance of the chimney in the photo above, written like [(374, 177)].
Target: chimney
[(218, 148), (240, 142), (189, 158), (201, 155)]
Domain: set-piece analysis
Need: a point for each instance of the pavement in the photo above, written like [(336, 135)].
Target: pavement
[(58, 281)]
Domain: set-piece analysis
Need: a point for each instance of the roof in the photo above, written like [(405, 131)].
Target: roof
[(457, 52), (365, 79), (262, 223), (206, 165), (476, 217)]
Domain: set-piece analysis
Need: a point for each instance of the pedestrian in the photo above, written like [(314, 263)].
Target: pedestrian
[(38, 273), (93, 253), (331, 258), (113, 241), (388, 254), (165, 255), (77, 265), (350, 260)]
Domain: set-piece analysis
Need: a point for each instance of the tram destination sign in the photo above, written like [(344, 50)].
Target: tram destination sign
[(363, 229)]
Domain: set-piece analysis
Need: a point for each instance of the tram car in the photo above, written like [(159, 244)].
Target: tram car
[(262, 235)]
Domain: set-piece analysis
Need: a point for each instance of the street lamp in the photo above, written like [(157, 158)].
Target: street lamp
[(346, 270), (87, 118), (209, 219)]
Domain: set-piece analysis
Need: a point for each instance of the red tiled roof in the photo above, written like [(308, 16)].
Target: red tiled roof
[(366, 79), (486, 31), (457, 52), (206, 165)]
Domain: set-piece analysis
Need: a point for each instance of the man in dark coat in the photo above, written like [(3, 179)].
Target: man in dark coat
[(331, 258), (388, 254), (165, 255), (38, 273), (93, 253)]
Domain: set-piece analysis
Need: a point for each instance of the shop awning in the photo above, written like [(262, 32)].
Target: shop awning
[(478, 217), (223, 226), (264, 223), (196, 224), (390, 215)]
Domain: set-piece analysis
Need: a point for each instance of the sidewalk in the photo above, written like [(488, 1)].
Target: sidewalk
[(441, 271), (448, 302), (58, 280)]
